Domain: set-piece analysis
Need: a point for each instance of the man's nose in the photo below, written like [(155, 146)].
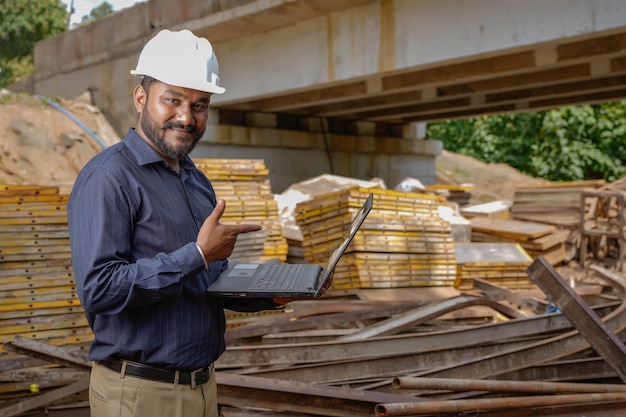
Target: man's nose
[(184, 115)]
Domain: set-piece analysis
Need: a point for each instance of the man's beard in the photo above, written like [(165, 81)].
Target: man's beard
[(156, 135)]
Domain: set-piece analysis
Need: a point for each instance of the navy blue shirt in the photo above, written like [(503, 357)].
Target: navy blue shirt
[(140, 277)]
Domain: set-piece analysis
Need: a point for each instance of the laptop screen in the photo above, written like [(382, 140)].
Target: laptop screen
[(357, 221)]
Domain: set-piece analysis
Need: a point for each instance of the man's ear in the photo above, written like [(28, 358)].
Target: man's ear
[(140, 96)]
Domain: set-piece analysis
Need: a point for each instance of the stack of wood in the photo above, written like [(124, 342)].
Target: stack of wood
[(502, 264), (499, 209), (38, 298), (603, 225), (537, 239), (245, 186), (402, 243), (554, 203), (459, 194)]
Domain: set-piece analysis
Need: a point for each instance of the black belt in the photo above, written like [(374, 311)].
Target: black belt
[(139, 370)]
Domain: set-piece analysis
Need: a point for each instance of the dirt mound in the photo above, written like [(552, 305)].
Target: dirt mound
[(41, 145), (491, 181)]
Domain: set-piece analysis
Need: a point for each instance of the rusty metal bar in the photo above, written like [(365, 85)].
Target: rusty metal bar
[(453, 384), (320, 316), (384, 367), (341, 372), (606, 274), (603, 340), (525, 298), (476, 405), (598, 409), (424, 313), (246, 391), (245, 356), (535, 353), (594, 368), (241, 412), (45, 399)]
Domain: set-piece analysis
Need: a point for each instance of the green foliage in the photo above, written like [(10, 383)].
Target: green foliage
[(567, 144), (22, 24), (15, 68), (105, 8)]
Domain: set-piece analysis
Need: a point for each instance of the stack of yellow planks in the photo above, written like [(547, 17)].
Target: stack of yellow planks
[(244, 185), (38, 297), (501, 263), (402, 243), (537, 239)]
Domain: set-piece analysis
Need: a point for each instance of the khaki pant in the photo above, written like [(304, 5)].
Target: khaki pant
[(111, 395)]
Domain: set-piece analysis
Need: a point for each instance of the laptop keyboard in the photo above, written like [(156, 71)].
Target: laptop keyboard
[(284, 279)]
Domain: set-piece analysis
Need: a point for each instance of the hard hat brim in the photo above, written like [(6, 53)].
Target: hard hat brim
[(206, 87)]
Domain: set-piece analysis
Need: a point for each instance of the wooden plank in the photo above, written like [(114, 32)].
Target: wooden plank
[(40, 311), (65, 301), (19, 283), (35, 324), (11, 190), (514, 229), (54, 336), (563, 184), (20, 271)]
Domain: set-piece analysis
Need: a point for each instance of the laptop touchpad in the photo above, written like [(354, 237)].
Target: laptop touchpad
[(243, 270)]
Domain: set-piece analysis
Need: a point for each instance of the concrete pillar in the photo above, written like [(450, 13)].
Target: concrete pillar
[(414, 131)]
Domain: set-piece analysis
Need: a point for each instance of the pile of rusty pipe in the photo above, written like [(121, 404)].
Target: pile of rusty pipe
[(490, 404), (452, 384)]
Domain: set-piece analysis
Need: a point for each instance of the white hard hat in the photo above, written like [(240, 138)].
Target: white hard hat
[(181, 59)]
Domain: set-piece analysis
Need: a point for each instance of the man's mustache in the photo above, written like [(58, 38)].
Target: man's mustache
[(186, 128)]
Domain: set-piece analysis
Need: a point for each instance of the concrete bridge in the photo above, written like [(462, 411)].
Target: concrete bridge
[(344, 86)]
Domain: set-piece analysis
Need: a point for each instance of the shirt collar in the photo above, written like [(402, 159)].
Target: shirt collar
[(145, 154)]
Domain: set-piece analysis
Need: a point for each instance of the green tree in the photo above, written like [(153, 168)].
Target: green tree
[(97, 12), (566, 144), (22, 24)]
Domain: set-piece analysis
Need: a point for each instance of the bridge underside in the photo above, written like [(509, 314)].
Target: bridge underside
[(389, 62), (570, 72)]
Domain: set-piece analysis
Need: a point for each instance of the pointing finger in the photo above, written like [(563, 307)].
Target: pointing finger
[(245, 228)]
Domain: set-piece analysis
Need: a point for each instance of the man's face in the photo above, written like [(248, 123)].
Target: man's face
[(171, 119)]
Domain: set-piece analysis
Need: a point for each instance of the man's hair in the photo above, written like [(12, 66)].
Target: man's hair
[(147, 81)]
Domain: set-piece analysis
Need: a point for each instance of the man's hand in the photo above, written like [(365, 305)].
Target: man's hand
[(217, 240)]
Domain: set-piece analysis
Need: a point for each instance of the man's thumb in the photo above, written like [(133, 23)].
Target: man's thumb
[(218, 211)]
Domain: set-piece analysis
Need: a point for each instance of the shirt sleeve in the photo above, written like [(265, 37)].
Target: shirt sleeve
[(109, 280)]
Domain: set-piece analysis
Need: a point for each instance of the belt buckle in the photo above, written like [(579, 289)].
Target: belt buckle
[(199, 377)]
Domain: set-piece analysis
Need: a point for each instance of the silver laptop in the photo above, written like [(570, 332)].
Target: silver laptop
[(285, 280)]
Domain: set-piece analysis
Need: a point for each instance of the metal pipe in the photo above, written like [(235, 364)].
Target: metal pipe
[(75, 120), (475, 405), (453, 384), (272, 394)]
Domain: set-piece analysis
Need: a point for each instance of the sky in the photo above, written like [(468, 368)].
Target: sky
[(83, 7)]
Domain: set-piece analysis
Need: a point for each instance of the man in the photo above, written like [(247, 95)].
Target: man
[(147, 241)]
